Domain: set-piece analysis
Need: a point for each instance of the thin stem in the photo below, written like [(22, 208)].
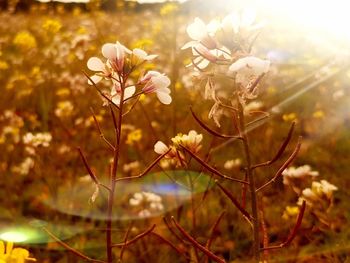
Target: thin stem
[(114, 175), (100, 92), (211, 131), (136, 238), (283, 167), (251, 179), (280, 151), (235, 202), (214, 230), (149, 168), (100, 130), (212, 169), (125, 241), (71, 249), (165, 241), (196, 244)]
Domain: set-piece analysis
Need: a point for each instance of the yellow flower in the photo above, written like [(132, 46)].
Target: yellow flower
[(3, 65), (8, 254), (134, 136), (289, 117), (25, 39), (318, 114), (168, 9), (290, 212), (52, 26)]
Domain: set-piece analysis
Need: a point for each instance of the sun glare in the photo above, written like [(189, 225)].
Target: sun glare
[(13, 236)]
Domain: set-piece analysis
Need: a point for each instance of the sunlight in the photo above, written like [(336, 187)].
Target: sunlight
[(13, 236), (326, 18)]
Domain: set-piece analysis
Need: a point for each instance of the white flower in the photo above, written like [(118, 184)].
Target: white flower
[(39, 139), (115, 53), (102, 69), (142, 55), (239, 23), (160, 147), (158, 83), (116, 93), (300, 172), (248, 70), (230, 164), (199, 32)]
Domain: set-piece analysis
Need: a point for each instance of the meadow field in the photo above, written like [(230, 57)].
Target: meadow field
[(169, 134)]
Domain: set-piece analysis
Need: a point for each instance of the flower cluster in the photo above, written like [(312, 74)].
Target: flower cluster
[(191, 141), (148, 202), (8, 254), (293, 174), (223, 47), (120, 63), (318, 192), (36, 140)]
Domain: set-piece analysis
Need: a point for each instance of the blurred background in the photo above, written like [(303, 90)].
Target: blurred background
[(45, 115)]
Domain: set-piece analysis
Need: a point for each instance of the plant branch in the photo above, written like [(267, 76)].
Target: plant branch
[(284, 166), (235, 202), (154, 163), (196, 244), (100, 131), (136, 238), (71, 249), (212, 169), (214, 230), (100, 92), (294, 232), (211, 131), (280, 151)]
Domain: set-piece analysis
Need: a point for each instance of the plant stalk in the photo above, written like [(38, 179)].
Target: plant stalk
[(113, 177), (252, 188)]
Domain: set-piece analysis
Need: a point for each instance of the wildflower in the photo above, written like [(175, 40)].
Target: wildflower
[(24, 167), (142, 55), (158, 83), (102, 69), (290, 212), (115, 53), (169, 9), (248, 70), (8, 254), (64, 109), (134, 136), (131, 167), (116, 93), (149, 203), (319, 191), (289, 117), (199, 33), (175, 156), (192, 141), (230, 164), (25, 40), (52, 26), (301, 172), (3, 65), (36, 140)]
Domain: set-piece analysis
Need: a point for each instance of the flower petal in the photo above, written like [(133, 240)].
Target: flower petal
[(95, 64), (164, 98), (109, 51), (129, 91), (160, 147), (197, 30), (95, 79)]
